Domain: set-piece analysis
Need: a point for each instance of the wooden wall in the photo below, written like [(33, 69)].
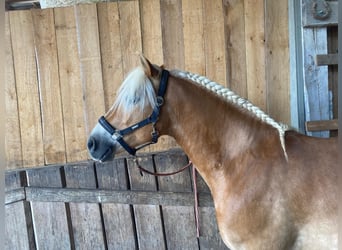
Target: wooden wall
[(64, 65)]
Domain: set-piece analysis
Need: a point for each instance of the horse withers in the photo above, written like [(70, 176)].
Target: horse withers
[(272, 187)]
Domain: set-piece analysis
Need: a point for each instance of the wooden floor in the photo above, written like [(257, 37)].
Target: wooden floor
[(110, 205)]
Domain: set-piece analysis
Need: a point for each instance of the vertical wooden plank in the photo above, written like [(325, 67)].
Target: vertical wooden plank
[(147, 217), (71, 84), (214, 40), (235, 46), (21, 27), (13, 137), (118, 219), (16, 236), (111, 50), (152, 47), (85, 217), (50, 92), (277, 60), (130, 32), (194, 58), (151, 31), (90, 61), (332, 36), (255, 52), (210, 237), (16, 229), (179, 221), (49, 218), (316, 87), (172, 32)]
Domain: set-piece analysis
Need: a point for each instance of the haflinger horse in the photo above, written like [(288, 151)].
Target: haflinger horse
[(272, 187)]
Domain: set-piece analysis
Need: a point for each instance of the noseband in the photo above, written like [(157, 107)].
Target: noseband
[(118, 135)]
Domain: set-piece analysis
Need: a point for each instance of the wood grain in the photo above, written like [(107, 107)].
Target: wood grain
[(71, 85), (277, 60), (176, 218), (215, 42), (255, 52), (12, 126), (22, 32), (49, 219), (148, 218), (49, 86), (86, 218), (90, 63), (118, 221), (111, 50)]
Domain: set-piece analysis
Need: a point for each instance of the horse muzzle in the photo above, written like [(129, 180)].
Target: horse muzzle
[(101, 146)]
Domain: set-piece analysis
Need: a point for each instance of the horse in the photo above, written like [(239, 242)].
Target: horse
[(272, 187)]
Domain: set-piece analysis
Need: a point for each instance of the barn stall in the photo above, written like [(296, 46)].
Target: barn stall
[(63, 68)]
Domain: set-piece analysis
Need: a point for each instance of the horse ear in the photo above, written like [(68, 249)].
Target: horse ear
[(149, 68)]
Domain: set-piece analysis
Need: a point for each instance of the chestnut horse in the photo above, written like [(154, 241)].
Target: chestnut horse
[(273, 188)]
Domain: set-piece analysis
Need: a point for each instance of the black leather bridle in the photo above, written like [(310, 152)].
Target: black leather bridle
[(118, 135)]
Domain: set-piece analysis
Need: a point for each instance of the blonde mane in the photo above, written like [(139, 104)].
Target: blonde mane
[(232, 97), (135, 91)]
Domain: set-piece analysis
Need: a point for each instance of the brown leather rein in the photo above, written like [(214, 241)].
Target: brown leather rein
[(173, 173)]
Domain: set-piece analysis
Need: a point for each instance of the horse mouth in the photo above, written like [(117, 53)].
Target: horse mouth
[(108, 155)]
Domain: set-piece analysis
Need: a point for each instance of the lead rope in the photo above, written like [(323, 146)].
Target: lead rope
[(141, 169)]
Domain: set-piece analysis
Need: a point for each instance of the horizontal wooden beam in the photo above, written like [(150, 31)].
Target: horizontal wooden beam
[(111, 196), (322, 125), (329, 59), (15, 195)]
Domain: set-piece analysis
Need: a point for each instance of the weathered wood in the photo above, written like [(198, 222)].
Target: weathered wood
[(130, 33), (49, 219), (310, 21), (16, 233), (151, 31), (85, 218), (329, 59), (277, 58), (117, 218), (71, 86), (235, 48), (322, 125), (12, 138), (315, 78), (21, 27), (111, 50), (152, 48), (172, 33), (148, 219), (115, 196), (179, 221), (255, 52), (15, 195), (194, 57), (49, 86), (90, 63), (215, 49)]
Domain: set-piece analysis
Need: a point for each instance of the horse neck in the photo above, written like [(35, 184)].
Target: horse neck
[(213, 132)]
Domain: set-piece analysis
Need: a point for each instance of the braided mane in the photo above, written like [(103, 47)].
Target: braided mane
[(232, 97)]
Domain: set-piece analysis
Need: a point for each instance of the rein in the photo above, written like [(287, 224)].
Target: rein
[(117, 135), (194, 181)]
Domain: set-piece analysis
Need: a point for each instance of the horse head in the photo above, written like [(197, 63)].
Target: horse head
[(130, 122)]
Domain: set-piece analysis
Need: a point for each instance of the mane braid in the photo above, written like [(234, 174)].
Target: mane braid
[(238, 100)]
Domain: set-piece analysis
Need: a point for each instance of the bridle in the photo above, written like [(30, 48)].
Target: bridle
[(118, 135)]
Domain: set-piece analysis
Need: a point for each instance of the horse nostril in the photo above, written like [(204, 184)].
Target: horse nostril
[(91, 144)]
